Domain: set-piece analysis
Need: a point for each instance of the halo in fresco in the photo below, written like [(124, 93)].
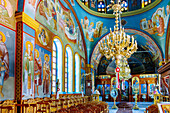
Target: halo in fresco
[(3, 36), (29, 43)]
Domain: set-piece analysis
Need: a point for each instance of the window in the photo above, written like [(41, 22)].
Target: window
[(145, 3), (57, 65), (101, 7), (77, 72), (68, 70)]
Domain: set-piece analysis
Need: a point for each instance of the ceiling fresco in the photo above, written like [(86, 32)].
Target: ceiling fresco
[(145, 43), (57, 17), (152, 23), (156, 47)]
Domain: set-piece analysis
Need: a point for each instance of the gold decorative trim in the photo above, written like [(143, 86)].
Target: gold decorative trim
[(27, 20), (124, 14), (89, 66)]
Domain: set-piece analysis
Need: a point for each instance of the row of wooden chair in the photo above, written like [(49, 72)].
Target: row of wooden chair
[(90, 107), (41, 105)]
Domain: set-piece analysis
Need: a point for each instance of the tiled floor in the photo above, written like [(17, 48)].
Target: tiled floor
[(142, 106)]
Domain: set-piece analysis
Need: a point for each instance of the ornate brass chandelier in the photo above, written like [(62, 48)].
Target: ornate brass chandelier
[(124, 70), (117, 44)]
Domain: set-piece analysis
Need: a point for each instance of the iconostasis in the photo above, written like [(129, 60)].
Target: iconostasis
[(146, 85)]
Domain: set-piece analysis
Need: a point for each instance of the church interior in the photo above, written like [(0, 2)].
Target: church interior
[(84, 56)]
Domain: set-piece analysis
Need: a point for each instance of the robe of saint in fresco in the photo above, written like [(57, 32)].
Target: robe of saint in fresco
[(37, 73), (4, 58), (28, 72), (160, 26), (46, 77)]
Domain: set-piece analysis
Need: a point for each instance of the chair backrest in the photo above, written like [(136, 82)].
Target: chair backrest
[(7, 109), (63, 110), (153, 109), (42, 107), (88, 110)]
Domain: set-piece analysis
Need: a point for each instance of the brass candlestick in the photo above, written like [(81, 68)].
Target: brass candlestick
[(136, 93)]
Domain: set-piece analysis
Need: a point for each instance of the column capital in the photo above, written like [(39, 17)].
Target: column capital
[(23, 17)]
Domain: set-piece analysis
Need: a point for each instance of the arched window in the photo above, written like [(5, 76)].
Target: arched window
[(101, 6), (57, 65), (68, 70), (77, 72), (145, 3)]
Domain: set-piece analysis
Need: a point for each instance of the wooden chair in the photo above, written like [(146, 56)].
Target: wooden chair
[(54, 106), (96, 109), (6, 109), (8, 106), (63, 110), (42, 107), (88, 110), (152, 109)]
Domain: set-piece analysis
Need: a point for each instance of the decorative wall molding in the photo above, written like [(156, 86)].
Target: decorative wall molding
[(27, 20)]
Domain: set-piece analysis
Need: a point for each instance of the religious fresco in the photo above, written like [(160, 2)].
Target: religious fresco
[(107, 91), (103, 65), (28, 67), (59, 19), (7, 12), (44, 38), (143, 89), (157, 24), (46, 13), (145, 62), (7, 64), (37, 71), (30, 7), (42, 71), (113, 83), (100, 88), (93, 3), (142, 62), (147, 43), (92, 32), (151, 88), (111, 67)]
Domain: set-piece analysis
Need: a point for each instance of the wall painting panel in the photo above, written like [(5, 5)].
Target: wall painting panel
[(28, 67), (7, 64)]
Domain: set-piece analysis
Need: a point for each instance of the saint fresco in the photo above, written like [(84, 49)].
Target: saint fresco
[(28, 67), (4, 62), (7, 64), (37, 70), (42, 72), (91, 32)]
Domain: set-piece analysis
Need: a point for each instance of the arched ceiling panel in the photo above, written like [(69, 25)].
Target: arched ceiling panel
[(145, 44)]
